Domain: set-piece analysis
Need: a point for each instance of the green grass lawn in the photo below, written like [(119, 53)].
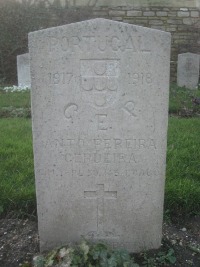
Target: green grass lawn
[(180, 100), (15, 104), (15, 99), (182, 194), (17, 190)]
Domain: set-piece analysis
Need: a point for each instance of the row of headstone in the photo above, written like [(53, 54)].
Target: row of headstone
[(100, 110), (188, 70)]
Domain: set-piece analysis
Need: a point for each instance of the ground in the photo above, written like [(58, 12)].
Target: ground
[(19, 241)]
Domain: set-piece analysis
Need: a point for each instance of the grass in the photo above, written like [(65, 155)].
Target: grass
[(180, 100), (17, 189), (182, 192), (15, 99), (15, 104)]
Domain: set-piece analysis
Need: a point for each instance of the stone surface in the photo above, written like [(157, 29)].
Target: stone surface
[(149, 13), (183, 9), (156, 22), (117, 13), (189, 21), (188, 70), (183, 14), (23, 70), (133, 13), (195, 14), (161, 13), (159, 3), (100, 111)]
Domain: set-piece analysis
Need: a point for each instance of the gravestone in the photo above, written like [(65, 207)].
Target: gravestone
[(100, 112), (188, 70), (23, 70)]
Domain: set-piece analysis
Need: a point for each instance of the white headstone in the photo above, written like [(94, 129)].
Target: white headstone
[(23, 70), (100, 112), (188, 70)]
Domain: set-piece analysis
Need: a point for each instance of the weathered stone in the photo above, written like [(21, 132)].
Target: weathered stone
[(100, 13), (100, 109), (179, 41), (155, 8), (188, 21), (171, 29), (166, 9), (23, 70), (117, 18), (141, 20), (174, 21), (131, 21), (161, 13), (183, 14), (161, 28), (183, 9), (195, 14), (117, 13), (149, 13), (172, 14), (147, 3), (133, 13), (188, 70), (139, 3), (156, 22)]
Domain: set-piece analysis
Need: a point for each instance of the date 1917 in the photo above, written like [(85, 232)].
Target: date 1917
[(60, 78)]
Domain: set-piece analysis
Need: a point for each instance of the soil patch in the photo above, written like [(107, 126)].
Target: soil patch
[(19, 241)]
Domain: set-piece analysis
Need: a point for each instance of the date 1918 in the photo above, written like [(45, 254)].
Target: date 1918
[(139, 78)]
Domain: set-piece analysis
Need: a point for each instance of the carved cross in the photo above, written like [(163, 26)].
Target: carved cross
[(100, 195)]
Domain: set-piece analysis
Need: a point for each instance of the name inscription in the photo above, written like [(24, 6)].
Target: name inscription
[(107, 143), (103, 151), (100, 158)]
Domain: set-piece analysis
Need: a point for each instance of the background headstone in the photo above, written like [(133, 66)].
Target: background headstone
[(100, 112), (23, 70), (188, 70)]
